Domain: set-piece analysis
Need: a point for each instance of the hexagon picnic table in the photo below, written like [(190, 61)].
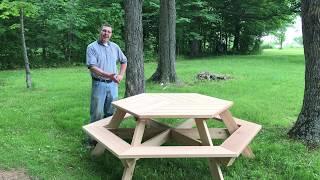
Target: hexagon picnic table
[(150, 133)]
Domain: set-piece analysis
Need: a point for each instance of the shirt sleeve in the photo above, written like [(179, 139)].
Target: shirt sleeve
[(122, 57), (91, 57)]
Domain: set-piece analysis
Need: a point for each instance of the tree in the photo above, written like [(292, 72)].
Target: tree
[(15, 9), (166, 70), (307, 126), (134, 47), (24, 47), (280, 35)]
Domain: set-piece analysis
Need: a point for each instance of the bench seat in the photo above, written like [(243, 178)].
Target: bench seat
[(242, 137), (106, 138)]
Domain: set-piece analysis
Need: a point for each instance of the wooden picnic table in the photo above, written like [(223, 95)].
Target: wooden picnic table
[(150, 132)]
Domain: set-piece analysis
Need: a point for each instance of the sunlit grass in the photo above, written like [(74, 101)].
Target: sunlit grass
[(40, 129)]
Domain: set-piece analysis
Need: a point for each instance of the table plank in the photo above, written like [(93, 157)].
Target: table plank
[(104, 122), (173, 105), (176, 152)]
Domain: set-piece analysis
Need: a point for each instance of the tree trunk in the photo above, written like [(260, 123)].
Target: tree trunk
[(135, 81), (69, 46), (166, 70), (236, 41), (195, 48), (24, 49), (307, 127), (44, 53), (227, 39), (203, 44)]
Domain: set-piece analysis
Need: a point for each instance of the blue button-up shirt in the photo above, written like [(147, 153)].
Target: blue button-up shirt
[(105, 57)]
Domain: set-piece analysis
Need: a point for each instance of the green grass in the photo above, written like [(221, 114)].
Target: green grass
[(40, 129)]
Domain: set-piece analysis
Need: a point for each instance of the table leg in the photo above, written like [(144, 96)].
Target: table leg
[(205, 137), (204, 132), (215, 169), (138, 132), (116, 119), (232, 126), (129, 164)]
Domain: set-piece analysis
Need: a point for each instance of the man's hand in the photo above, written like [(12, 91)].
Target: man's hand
[(119, 77), (114, 78)]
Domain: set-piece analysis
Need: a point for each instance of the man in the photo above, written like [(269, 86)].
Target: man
[(102, 57)]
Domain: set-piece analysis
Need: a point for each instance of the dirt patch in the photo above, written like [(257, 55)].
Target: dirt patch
[(14, 175)]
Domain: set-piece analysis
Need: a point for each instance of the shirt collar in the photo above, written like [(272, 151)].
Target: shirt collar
[(101, 43)]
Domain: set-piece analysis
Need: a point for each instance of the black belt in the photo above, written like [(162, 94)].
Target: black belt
[(102, 80)]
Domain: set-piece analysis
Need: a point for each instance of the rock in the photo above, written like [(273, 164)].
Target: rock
[(211, 76)]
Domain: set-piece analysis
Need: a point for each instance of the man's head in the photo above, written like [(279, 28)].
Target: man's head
[(105, 33)]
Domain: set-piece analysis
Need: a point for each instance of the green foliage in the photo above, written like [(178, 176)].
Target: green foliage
[(58, 31), (194, 21), (12, 8), (10, 51), (150, 23), (221, 26)]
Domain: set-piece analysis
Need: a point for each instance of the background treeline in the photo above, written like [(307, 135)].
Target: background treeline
[(58, 31)]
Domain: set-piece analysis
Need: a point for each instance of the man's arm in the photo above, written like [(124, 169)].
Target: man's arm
[(101, 73)]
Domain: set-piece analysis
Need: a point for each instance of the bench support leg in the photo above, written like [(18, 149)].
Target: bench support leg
[(232, 126), (114, 123), (247, 152), (187, 124), (98, 150)]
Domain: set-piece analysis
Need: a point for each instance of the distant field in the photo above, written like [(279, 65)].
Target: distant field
[(288, 51), (40, 129)]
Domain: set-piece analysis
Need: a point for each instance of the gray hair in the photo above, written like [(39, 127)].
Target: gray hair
[(105, 25)]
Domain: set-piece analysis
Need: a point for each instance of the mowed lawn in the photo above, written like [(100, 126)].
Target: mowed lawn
[(40, 129)]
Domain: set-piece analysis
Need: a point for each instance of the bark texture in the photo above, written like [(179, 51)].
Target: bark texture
[(307, 127), (24, 49), (135, 82), (166, 70)]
